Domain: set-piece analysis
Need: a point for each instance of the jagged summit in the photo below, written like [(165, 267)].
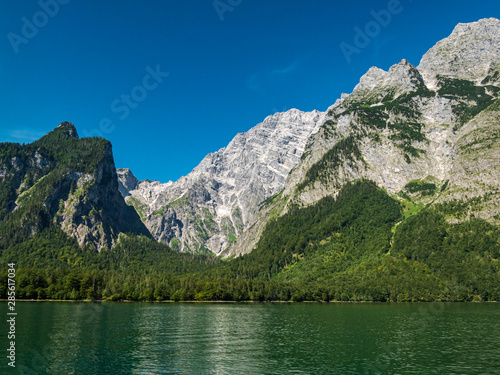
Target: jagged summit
[(470, 52), (67, 182), (435, 124), (400, 77), (397, 126), (210, 206), (126, 181), (67, 128)]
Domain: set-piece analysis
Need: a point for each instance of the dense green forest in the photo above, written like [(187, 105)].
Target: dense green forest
[(357, 247), (57, 154)]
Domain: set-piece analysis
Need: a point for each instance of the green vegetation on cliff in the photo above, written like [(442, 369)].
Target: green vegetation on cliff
[(356, 247)]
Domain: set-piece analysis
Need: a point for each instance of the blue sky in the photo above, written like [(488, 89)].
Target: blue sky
[(169, 81)]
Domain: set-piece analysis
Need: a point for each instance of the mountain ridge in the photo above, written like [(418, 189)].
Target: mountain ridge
[(209, 207), (68, 182), (395, 134), (431, 124), (390, 195), (405, 124)]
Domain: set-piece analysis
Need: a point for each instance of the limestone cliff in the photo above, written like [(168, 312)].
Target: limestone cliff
[(210, 207), (428, 134), (70, 182)]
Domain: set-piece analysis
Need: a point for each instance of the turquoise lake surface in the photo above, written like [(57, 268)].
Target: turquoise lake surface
[(253, 338)]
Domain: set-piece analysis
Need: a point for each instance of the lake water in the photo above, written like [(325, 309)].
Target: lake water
[(309, 338)]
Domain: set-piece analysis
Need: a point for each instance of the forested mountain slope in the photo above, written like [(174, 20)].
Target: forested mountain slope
[(426, 134), (64, 181), (395, 197)]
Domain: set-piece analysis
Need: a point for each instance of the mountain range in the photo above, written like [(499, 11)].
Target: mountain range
[(435, 125), (392, 193)]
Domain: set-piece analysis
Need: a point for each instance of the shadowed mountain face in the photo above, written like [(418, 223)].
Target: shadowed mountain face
[(428, 133), (63, 180)]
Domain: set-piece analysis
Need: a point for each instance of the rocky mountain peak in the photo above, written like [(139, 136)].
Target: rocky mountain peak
[(481, 27), (390, 130), (443, 137), (210, 206), (401, 77), (469, 53), (68, 182), (126, 181), (68, 129)]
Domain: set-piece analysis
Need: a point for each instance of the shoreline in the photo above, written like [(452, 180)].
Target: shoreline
[(234, 302)]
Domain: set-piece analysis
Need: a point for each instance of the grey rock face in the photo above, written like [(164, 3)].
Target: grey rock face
[(400, 78), (95, 213), (211, 206), (126, 181), (470, 52), (83, 202), (438, 123)]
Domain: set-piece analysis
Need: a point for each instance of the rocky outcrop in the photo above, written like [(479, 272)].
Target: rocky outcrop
[(126, 181), (69, 182), (435, 126), (210, 207), (471, 52), (95, 212)]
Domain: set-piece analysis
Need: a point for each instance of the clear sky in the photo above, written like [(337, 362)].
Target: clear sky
[(169, 81)]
